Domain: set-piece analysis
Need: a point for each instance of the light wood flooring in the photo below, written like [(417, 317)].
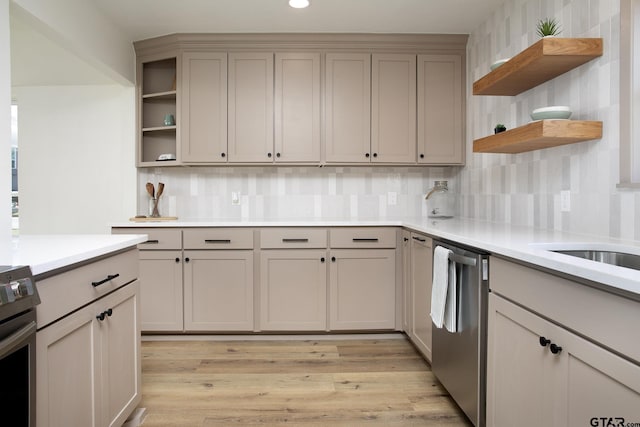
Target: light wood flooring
[(381, 382)]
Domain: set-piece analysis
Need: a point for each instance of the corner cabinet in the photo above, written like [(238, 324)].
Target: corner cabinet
[(566, 371), (157, 98)]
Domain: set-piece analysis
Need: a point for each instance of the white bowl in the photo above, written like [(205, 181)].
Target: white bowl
[(554, 112), (498, 63)]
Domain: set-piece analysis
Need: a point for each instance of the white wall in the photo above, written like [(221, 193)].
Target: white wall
[(77, 171), (77, 25), (5, 126)]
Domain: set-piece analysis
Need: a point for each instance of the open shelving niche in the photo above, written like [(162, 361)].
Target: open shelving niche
[(540, 62), (158, 99)]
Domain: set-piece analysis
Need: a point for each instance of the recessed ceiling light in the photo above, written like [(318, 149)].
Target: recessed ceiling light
[(299, 4)]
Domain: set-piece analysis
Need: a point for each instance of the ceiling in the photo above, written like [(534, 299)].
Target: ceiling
[(142, 19)]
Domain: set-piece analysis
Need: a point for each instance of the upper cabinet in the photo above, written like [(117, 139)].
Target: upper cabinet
[(393, 108), (301, 99), (440, 109), (250, 98), (347, 107), (297, 107), (157, 102), (203, 130)]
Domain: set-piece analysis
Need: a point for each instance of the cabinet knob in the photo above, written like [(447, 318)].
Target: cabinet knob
[(177, 259), (366, 155), (555, 349), (544, 342), (223, 155), (375, 154), (101, 316), (109, 312), (406, 239), (333, 259), (269, 155), (422, 156), (277, 154), (322, 259), (187, 259)]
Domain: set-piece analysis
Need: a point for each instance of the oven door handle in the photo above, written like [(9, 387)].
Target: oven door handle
[(8, 344)]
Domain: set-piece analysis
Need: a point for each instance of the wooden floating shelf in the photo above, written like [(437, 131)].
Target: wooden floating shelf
[(542, 61), (171, 94), (538, 135), (159, 128)]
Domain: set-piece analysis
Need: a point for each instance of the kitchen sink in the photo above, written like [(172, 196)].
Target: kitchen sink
[(620, 259)]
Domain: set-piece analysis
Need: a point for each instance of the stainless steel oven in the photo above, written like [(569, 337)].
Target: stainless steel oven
[(18, 298)]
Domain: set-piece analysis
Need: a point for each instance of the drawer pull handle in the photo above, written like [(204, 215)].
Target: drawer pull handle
[(295, 240), (151, 242), (215, 241), (105, 280), (419, 239), (364, 240)]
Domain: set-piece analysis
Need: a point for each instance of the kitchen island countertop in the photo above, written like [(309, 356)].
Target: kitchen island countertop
[(47, 253), (526, 244)]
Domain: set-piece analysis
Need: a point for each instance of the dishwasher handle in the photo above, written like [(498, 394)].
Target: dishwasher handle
[(460, 259)]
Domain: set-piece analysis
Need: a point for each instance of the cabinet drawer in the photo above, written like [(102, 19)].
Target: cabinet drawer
[(218, 238), (159, 238), (363, 237), (70, 290), (284, 238)]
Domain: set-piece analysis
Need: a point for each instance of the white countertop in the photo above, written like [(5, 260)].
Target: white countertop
[(521, 243), (46, 253)]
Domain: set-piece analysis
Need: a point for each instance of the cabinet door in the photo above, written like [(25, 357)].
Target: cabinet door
[(121, 360), (440, 109), (68, 383), (297, 107), (293, 290), (348, 107), (362, 289), (407, 300), (218, 290), (250, 107), (421, 283), (393, 108), (161, 290), (203, 124)]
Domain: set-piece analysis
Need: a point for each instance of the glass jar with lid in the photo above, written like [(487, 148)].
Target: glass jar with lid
[(439, 201)]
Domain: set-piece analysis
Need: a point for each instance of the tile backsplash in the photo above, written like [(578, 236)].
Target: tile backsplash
[(525, 188), (198, 193)]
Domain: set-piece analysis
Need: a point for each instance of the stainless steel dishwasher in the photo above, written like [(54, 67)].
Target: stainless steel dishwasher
[(459, 358)]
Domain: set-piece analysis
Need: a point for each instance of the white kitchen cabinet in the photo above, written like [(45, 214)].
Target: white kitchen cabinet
[(347, 107), (553, 362), (421, 284), (362, 289), (88, 368), (218, 290), (297, 107), (393, 108), (250, 128), (293, 290), (440, 109), (203, 123)]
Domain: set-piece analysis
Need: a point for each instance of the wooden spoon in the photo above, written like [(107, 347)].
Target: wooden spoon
[(160, 190), (151, 190)]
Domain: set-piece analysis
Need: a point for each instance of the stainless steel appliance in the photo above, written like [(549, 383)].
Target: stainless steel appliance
[(18, 299), (459, 358)]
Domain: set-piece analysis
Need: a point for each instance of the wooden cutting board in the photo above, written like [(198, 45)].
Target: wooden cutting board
[(149, 219)]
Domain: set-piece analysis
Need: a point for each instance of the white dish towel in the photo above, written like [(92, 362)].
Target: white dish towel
[(443, 292)]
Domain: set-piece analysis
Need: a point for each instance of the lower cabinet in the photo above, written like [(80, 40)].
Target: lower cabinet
[(218, 290), (362, 289), (161, 290), (407, 299), (293, 290), (421, 283), (539, 373), (88, 364)]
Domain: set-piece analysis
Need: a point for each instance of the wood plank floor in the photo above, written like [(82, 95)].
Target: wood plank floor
[(380, 382)]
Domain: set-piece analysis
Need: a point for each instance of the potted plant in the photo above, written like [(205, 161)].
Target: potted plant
[(547, 27), (499, 128)]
